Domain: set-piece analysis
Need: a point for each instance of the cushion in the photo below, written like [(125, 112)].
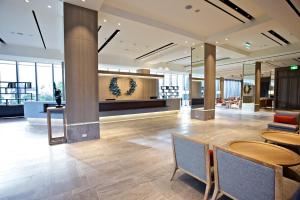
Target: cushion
[(287, 119), (211, 157), (284, 127), (289, 113)]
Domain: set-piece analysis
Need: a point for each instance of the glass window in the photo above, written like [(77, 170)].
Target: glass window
[(58, 77), (8, 74), (26, 73), (45, 84)]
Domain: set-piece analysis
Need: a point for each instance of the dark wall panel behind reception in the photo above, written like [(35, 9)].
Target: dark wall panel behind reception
[(287, 88), (81, 69)]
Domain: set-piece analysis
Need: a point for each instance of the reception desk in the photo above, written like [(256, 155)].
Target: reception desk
[(110, 107)]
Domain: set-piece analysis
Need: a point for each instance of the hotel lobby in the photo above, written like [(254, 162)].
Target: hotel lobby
[(150, 100)]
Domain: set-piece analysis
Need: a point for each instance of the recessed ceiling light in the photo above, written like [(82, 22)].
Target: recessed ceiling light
[(49, 6), (188, 7), (105, 20), (226, 39), (217, 42), (193, 43), (247, 45), (186, 42), (202, 46), (83, 0), (27, 1), (119, 24)]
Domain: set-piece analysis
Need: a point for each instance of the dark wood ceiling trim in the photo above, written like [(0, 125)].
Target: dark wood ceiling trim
[(38, 26), (99, 28), (237, 9), (279, 36), (156, 50), (105, 72), (293, 7), (224, 11), (2, 41), (109, 39), (271, 39)]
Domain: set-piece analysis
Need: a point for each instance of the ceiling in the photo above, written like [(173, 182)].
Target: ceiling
[(151, 24)]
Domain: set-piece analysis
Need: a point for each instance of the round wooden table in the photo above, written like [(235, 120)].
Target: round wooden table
[(290, 139), (266, 152)]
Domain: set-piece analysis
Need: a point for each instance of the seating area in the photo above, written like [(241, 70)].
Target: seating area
[(285, 121), (232, 171)]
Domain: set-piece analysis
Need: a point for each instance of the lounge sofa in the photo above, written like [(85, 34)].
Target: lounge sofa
[(285, 121)]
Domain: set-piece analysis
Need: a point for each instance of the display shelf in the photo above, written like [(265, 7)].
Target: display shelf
[(170, 92), (15, 89)]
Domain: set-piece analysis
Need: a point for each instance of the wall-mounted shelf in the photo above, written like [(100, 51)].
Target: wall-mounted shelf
[(16, 89)]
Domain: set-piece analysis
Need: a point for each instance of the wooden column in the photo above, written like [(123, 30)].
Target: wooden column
[(81, 73), (209, 84), (221, 87), (257, 86)]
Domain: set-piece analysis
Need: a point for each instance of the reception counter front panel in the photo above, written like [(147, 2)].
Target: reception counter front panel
[(109, 108)]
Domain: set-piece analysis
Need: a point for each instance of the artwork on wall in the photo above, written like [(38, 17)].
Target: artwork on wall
[(132, 88), (115, 89)]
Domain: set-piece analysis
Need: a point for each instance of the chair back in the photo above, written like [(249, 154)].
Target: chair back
[(191, 156), (245, 178)]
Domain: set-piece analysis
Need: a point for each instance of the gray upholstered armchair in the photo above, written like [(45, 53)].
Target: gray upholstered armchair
[(244, 178), (192, 157)]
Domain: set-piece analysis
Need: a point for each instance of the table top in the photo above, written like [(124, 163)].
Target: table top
[(266, 152), (291, 139)]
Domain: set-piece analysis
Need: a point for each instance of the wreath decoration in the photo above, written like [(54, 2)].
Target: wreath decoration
[(132, 88), (114, 88), (247, 89)]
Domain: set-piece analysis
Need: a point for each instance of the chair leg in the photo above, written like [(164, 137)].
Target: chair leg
[(173, 174), (207, 189), (215, 195)]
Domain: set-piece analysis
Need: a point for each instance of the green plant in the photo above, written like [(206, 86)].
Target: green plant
[(114, 88), (132, 88)]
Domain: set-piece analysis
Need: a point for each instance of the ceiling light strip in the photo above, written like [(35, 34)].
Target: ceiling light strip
[(156, 50), (38, 26), (279, 36), (2, 41), (237, 9), (109, 39), (293, 7), (177, 59), (271, 39), (224, 10)]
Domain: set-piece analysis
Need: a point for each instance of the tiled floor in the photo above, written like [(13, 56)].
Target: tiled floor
[(133, 160)]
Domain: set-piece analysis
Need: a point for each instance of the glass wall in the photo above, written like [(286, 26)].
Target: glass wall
[(232, 88), (26, 73), (8, 73), (39, 77)]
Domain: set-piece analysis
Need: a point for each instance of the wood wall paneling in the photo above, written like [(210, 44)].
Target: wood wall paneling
[(81, 72), (145, 88)]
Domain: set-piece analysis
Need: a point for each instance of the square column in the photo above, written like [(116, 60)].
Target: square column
[(81, 73), (209, 84), (221, 87), (257, 86)]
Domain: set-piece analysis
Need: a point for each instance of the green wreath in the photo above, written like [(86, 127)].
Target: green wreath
[(114, 88), (247, 89), (132, 88)]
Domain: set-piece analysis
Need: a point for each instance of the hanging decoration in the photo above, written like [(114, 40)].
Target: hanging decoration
[(132, 88), (114, 88)]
